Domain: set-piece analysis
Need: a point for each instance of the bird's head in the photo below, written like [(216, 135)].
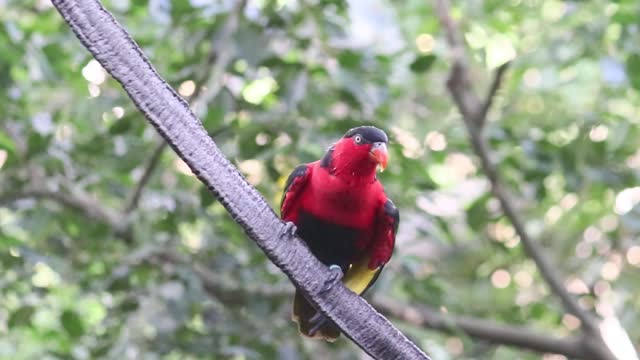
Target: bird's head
[(360, 151)]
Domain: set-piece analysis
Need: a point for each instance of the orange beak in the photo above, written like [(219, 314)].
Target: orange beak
[(379, 154)]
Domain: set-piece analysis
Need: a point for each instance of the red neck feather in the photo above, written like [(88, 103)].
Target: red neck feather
[(352, 162)]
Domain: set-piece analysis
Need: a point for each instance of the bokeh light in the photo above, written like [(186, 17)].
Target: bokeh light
[(500, 279)]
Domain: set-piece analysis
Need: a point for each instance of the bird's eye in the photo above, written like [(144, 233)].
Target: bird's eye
[(357, 139)]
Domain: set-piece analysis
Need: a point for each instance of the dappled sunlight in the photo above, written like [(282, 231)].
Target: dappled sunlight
[(523, 279), (191, 237), (617, 339), (3, 157), (118, 112), (610, 271), (633, 256), (576, 286), (436, 141), (94, 73), (44, 276), (425, 43), (94, 90), (599, 133), (182, 167), (187, 88), (553, 357), (500, 279), (499, 50), (411, 147), (253, 170), (626, 200), (571, 322)]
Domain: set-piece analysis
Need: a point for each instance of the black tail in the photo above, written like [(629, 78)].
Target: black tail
[(303, 311)]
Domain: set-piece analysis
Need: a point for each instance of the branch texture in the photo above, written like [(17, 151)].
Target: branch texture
[(112, 46)]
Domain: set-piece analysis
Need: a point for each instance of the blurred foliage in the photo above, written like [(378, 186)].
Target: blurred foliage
[(76, 284)]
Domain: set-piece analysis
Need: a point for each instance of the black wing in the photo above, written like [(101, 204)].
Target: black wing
[(292, 187)]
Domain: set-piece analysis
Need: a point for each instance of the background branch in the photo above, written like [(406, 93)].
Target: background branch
[(480, 329), (459, 85), (474, 115), (76, 199), (481, 118), (234, 293), (149, 169)]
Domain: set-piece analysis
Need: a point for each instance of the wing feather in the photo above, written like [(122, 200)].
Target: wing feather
[(364, 272), (293, 187)]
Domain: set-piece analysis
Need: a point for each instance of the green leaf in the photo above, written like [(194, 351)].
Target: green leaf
[(6, 143), (633, 70), (7, 241), (422, 63), (477, 214), (21, 317), (206, 198), (72, 323), (350, 59), (120, 126)]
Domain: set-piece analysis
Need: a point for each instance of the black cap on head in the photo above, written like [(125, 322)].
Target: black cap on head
[(369, 133)]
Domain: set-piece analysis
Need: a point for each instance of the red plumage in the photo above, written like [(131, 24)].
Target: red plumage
[(343, 214)]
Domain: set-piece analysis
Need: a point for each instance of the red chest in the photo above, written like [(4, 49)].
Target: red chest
[(353, 204)]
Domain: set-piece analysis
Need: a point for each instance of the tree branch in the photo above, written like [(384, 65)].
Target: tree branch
[(458, 86), (481, 118), (220, 287), (149, 169), (481, 329), (112, 46), (474, 115), (77, 200)]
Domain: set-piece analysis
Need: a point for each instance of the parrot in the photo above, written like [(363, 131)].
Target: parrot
[(338, 207)]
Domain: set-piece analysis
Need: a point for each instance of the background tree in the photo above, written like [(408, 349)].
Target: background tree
[(112, 248)]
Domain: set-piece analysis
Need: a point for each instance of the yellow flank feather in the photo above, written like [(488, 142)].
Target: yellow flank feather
[(359, 276)]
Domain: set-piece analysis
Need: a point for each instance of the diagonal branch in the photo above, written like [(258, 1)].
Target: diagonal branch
[(112, 46), (474, 115), (481, 117), (459, 85), (149, 169)]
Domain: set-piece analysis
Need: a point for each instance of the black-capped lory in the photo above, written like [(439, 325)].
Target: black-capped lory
[(339, 208)]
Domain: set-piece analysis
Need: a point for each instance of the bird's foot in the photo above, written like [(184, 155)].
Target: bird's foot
[(288, 230), (317, 321), (334, 278)]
